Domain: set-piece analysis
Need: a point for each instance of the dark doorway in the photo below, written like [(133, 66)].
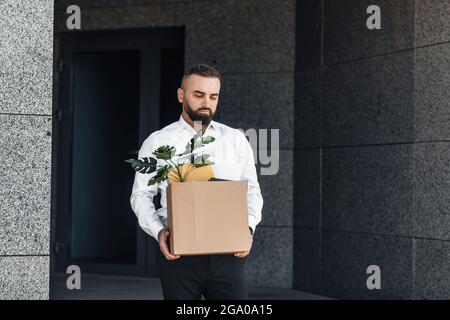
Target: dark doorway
[(104, 118), (115, 88)]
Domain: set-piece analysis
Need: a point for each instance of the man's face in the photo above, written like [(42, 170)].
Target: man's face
[(199, 96)]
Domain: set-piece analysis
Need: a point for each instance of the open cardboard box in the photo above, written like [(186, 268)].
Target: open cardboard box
[(208, 217)]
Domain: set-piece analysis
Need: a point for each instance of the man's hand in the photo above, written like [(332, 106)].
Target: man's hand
[(163, 239), (243, 254)]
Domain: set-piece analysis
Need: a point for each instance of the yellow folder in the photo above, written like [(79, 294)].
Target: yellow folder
[(190, 173)]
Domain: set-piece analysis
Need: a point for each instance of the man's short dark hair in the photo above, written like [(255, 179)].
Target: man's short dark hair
[(203, 70)]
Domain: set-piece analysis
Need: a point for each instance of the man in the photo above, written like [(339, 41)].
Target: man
[(218, 276)]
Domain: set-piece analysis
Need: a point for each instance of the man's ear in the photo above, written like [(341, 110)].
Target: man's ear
[(180, 94)]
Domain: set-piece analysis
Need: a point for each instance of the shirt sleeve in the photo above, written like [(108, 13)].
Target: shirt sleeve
[(254, 197), (142, 195)]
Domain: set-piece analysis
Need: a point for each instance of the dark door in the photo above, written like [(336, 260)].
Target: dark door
[(114, 91)]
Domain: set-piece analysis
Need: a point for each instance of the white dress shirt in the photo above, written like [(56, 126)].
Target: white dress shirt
[(230, 147)]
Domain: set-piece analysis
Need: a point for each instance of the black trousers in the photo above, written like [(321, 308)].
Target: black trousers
[(216, 276)]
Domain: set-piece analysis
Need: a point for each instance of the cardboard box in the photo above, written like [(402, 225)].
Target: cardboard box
[(207, 217)]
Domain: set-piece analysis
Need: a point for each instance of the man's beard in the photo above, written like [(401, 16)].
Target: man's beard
[(197, 116)]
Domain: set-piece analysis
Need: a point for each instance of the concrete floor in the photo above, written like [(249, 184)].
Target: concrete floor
[(106, 287)]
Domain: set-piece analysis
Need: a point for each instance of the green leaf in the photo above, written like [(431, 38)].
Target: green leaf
[(146, 165), (164, 152), (208, 139), (195, 142), (202, 160), (160, 176)]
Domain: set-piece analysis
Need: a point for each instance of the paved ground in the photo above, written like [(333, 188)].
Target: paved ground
[(103, 287)]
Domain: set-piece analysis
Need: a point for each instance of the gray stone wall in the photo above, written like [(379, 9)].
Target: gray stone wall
[(372, 149), (252, 43), (26, 51)]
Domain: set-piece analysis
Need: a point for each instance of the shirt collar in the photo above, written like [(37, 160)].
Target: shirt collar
[(184, 124)]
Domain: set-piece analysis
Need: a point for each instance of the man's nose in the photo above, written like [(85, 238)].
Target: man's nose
[(206, 102)]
